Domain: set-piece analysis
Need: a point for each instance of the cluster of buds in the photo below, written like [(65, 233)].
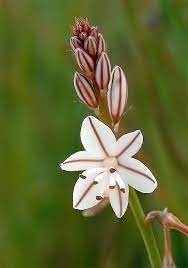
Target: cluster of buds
[(96, 79)]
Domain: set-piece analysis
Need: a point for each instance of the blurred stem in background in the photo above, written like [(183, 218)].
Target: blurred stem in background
[(169, 221)]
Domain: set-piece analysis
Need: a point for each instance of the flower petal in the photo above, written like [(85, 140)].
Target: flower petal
[(80, 161), (85, 191), (129, 144), (119, 200), (96, 137), (137, 175)]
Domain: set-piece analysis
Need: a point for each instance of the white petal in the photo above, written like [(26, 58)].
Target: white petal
[(103, 185), (129, 144), (80, 161), (85, 192), (119, 200), (137, 175), (119, 180), (96, 137)]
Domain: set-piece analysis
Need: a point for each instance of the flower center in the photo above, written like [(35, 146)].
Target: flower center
[(110, 162)]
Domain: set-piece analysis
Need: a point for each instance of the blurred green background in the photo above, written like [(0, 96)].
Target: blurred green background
[(40, 117)]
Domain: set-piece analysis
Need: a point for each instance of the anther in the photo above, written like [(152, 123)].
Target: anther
[(98, 197), (112, 170), (122, 190), (82, 176), (95, 182), (112, 186)]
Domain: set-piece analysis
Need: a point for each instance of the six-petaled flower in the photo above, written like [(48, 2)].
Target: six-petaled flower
[(109, 168)]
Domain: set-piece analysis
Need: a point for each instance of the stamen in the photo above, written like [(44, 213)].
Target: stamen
[(112, 186), (95, 182), (98, 197), (112, 170), (122, 190), (82, 176)]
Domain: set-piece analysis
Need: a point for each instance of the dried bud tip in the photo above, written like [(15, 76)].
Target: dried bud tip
[(85, 90), (117, 94), (81, 28)]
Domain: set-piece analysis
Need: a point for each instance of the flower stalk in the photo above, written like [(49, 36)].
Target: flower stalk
[(89, 48)]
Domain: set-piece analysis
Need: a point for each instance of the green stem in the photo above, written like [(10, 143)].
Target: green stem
[(145, 230)]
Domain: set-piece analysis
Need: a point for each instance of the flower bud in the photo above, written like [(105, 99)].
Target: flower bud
[(101, 45), (75, 43), (84, 61), (83, 35), (103, 70), (90, 45), (85, 90), (117, 94), (94, 32)]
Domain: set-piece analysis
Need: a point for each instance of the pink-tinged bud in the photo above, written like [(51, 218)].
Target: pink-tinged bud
[(84, 61), (83, 35), (103, 70), (117, 94), (85, 90), (75, 43), (94, 32), (101, 45), (90, 45)]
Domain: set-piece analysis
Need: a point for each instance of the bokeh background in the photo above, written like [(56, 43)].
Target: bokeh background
[(40, 117)]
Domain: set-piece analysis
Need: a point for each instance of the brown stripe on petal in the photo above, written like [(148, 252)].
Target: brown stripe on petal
[(98, 137), (128, 145), (120, 94), (120, 200), (84, 194), (110, 108), (82, 160), (137, 172)]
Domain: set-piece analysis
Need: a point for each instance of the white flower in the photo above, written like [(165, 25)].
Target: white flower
[(109, 167)]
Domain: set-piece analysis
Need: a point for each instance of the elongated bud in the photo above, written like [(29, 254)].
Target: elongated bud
[(94, 31), (85, 90), (103, 70), (101, 44), (75, 43), (90, 45), (84, 61), (117, 94)]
